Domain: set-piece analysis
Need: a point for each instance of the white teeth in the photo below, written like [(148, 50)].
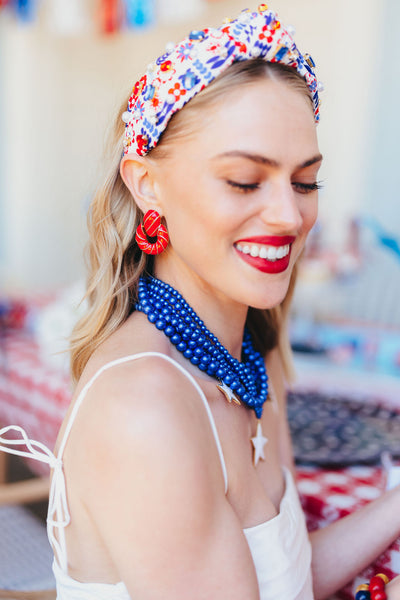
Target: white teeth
[(271, 253), (280, 253)]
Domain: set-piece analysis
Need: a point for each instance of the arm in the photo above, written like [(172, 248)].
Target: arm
[(344, 548), (155, 491)]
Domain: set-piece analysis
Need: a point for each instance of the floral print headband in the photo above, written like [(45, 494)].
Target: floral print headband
[(187, 68)]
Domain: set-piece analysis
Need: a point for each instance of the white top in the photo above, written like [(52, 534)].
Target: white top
[(280, 547)]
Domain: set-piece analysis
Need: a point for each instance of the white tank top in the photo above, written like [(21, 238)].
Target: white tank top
[(280, 547)]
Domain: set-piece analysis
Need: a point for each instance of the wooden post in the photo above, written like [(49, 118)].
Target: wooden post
[(22, 492)]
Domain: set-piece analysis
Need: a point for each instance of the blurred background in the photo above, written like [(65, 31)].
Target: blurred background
[(65, 68)]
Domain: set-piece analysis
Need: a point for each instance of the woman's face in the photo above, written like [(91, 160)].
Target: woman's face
[(240, 196)]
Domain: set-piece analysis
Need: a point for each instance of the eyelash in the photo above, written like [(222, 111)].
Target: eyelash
[(302, 188), (244, 187), (306, 188)]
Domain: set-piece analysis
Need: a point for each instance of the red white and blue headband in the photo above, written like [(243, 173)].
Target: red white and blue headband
[(187, 68)]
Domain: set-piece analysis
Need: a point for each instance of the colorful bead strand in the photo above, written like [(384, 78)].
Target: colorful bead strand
[(375, 590)]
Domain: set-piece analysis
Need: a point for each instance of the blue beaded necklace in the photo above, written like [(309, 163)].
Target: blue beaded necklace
[(245, 381)]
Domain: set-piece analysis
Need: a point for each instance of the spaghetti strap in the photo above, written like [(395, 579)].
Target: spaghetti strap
[(129, 358), (58, 513)]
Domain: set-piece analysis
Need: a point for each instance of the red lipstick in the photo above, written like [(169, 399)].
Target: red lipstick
[(268, 240), (263, 264)]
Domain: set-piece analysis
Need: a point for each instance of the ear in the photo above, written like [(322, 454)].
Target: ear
[(137, 174)]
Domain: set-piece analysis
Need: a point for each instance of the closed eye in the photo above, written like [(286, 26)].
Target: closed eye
[(306, 188), (243, 187)]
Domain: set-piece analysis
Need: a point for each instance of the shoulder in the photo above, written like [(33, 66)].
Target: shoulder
[(144, 413)]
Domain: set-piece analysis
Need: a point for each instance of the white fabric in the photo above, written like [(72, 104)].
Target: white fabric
[(281, 550), (280, 547)]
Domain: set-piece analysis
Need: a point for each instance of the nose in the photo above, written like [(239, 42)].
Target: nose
[(280, 210)]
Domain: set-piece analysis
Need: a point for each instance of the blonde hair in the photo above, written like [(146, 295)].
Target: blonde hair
[(115, 261)]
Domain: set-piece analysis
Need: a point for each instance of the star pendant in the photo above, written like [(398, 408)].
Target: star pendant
[(258, 442), (227, 392)]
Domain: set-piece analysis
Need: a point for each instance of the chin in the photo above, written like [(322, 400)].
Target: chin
[(269, 300)]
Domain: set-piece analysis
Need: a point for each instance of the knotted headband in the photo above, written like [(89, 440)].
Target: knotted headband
[(187, 68)]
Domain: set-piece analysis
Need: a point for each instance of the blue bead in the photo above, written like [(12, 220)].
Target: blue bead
[(190, 80), (171, 313), (362, 595), (196, 35)]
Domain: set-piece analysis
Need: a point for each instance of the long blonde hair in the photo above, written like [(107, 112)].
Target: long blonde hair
[(115, 261)]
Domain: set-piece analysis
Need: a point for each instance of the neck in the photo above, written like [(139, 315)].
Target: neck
[(224, 318)]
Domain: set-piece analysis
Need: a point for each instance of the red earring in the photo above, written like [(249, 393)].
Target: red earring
[(152, 227)]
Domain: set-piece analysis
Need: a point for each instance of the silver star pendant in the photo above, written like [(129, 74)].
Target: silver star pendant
[(227, 392), (258, 442)]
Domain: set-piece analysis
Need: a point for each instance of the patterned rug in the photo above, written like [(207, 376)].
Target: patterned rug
[(334, 431), (25, 553)]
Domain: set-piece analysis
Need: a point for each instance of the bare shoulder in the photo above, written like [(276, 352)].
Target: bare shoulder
[(143, 408), (153, 485)]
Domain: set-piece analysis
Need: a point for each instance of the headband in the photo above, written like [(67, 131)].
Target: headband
[(187, 68)]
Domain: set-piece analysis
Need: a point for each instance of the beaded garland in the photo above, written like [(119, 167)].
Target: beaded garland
[(189, 66), (170, 313), (374, 590)]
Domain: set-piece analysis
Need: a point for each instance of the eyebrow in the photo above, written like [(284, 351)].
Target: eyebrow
[(264, 160)]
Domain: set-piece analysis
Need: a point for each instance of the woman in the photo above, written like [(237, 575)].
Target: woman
[(175, 452)]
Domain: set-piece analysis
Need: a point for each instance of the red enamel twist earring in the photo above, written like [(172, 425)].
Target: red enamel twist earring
[(152, 227)]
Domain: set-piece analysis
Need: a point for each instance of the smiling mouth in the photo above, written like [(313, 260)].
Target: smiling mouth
[(269, 253)]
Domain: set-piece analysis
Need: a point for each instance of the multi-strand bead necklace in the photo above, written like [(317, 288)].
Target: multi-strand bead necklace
[(241, 382)]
